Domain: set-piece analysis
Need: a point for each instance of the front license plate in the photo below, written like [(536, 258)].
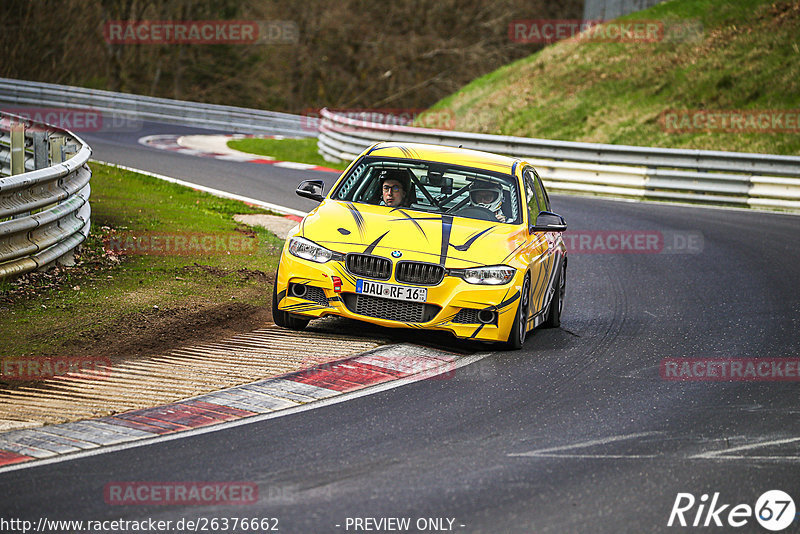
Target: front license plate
[(389, 291)]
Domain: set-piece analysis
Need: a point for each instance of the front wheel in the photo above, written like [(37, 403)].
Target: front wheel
[(282, 318), (516, 338)]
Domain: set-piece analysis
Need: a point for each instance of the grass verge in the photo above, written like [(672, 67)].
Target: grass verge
[(217, 280), (296, 150), (741, 55)]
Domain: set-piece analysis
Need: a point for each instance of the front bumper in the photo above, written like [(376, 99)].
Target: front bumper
[(442, 310)]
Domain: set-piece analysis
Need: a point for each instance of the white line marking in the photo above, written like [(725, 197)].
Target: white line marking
[(725, 452), (590, 443), (283, 210), (597, 456), (378, 388), (791, 459)]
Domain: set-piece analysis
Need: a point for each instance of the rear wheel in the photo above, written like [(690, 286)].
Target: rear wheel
[(516, 337), (282, 318), (557, 302)]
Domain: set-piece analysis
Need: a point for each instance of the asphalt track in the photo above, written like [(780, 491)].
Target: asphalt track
[(576, 432)]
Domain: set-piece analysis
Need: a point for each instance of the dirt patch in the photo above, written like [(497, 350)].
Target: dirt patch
[(279, 226), (139, 335), (158, 329)]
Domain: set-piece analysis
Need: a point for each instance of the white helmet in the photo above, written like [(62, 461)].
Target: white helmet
[(486, 195)]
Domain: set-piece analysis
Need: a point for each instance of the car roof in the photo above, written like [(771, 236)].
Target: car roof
[(445, 154)]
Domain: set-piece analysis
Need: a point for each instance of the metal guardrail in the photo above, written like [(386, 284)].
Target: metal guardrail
[(704, 176), (118, 106), (716, 177), (44, 195)]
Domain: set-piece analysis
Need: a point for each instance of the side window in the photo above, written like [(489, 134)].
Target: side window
[(541, 195), (530, 197)]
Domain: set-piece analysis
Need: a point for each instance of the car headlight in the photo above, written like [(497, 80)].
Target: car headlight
[(493, 275), (308, 250)]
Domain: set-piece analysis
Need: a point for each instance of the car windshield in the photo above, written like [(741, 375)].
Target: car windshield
[(435, 188)]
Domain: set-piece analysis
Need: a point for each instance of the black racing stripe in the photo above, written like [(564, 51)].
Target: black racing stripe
[(401, 148), (505, 303), (358, 218), (551, 279), (471, 240), (523, 244), (447, 227), (543, 280), (347, 276), (410, 218), (384, 147), (303, 307), (475, 333), (374, 244), (496, 307), (447, 319)]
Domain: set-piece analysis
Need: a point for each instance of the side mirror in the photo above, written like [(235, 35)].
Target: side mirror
[(311, 189), (548, 221)]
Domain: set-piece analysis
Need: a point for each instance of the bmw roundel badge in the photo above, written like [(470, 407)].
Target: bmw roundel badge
[(396, 254)]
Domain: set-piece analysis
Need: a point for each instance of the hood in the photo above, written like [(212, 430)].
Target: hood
[(456, 242)]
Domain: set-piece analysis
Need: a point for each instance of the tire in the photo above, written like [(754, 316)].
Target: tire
[(282, 318), (557, 302), (516, 338)]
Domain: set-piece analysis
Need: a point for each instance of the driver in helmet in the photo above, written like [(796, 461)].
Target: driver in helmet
[(487, 195)]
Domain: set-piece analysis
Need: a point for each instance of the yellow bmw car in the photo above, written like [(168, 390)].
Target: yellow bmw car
[(427, 236)]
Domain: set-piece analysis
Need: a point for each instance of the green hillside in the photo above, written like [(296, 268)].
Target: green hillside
[(745, 56)]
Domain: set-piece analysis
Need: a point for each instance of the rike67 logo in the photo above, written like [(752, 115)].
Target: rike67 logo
[(774, 511)]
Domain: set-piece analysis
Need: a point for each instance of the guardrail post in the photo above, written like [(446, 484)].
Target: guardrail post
[(67, 151), (17, 135), (17, 148), (56, 149), (40, 148), (59, 153)]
